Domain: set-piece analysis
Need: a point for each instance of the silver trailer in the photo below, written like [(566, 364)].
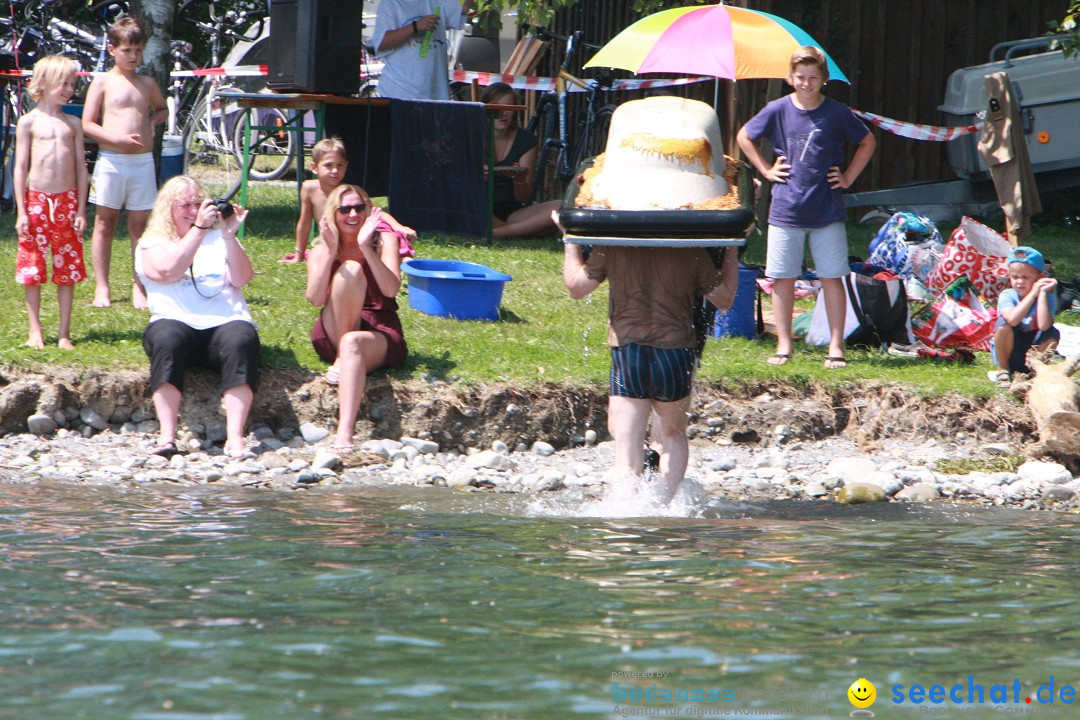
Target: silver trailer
[(1047, 87)]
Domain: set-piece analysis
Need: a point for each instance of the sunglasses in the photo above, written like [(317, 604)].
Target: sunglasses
[(346, 209)]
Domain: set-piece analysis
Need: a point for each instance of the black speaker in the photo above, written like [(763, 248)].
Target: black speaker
[(315, 46)]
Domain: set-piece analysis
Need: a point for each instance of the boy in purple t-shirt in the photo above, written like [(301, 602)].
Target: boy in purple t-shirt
[(807, 131)]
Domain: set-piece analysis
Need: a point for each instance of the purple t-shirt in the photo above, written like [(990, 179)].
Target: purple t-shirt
[(812, 141)]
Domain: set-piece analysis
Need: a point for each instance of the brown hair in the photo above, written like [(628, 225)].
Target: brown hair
[(809, 55), (497, 90), (333, 200), (48, 71), (126, 30), (328, 146)]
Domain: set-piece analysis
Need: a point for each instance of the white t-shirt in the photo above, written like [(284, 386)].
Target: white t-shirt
[(406, 75), (204, 302)]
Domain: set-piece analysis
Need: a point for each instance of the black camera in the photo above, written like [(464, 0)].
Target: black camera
[(224, 207)]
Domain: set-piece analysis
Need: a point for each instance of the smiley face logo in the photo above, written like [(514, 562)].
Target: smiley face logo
[(862, 693)]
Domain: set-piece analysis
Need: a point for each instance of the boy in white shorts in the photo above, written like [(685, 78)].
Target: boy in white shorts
[(121, 111)]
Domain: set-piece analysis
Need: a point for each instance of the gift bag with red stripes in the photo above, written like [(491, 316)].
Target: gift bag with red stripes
[(978, 253)]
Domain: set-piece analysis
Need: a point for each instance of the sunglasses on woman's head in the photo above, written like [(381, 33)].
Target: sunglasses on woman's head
[(346, 209)]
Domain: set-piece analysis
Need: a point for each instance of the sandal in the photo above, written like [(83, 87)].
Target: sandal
[(779, 358), (167, 450), (1001, 378), (332, 376), (835, 362), (293, 257)]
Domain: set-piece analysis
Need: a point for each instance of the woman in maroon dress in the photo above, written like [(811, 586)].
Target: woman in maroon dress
[(354, 272)]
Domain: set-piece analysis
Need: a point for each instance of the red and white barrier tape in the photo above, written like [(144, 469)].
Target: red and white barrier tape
[(235, 71), (546, 84), (915, 131)]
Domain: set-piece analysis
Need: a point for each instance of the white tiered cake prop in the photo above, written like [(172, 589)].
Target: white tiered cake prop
[(662, 153)]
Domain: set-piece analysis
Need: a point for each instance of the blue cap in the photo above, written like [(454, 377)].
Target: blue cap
[(1029, 256)]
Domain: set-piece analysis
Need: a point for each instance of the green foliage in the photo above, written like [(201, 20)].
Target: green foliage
[(1069, 26)]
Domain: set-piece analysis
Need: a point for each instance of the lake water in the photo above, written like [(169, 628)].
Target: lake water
[(227, 604)]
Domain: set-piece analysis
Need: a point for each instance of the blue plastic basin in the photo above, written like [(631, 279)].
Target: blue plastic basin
[(739, 319), (455, 289)]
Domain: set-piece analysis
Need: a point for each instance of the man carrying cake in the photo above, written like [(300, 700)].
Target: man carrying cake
[(653, 291), (662, 154)]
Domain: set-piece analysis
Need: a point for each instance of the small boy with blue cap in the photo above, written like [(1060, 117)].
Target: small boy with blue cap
[(1025, 315)]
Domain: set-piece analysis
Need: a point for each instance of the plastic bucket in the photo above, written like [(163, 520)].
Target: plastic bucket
[(455, 289), (739, 318), (172, 157)]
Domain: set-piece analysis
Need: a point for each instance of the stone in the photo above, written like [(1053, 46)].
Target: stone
[(313, 433), (93, 418), (851, 469), (590, 437), (325, 460), (489, 459), (919, 492), (1044, 472), (997, 449), (500, 447), (856, 493), (542, 448), (1058, 493), (815, 489), (424, 447), (41, 424)]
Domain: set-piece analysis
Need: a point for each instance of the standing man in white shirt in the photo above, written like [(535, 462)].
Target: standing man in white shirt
[(410, 36)]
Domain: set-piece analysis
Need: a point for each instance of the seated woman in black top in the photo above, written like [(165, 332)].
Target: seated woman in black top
[(515, 147)]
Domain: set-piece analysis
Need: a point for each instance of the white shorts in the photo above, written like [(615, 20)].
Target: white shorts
[(786, 250), (123, 181)]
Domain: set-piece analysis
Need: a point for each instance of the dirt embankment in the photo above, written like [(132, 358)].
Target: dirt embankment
[(454, 414)]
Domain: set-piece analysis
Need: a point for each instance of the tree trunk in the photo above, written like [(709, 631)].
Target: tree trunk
[(156, 18)]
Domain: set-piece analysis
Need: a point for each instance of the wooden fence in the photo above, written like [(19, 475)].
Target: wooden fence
[(898, 56)]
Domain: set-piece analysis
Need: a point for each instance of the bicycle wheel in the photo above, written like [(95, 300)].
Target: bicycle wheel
[(209, 155), (271, 150), (545, 125), (593, 140)]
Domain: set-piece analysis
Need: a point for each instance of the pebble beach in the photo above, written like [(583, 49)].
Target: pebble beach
[(96, 452)]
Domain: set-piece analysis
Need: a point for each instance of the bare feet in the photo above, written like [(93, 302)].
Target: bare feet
[(35, 341), (65, 344), (138, 297), (835, 362), (101, 297)]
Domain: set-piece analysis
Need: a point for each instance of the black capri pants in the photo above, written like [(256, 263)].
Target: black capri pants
[(173, 347)]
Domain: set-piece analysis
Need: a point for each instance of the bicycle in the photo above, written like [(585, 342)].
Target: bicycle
[(559, 153), (212, 128)]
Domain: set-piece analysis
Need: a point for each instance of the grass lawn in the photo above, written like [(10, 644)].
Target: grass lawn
[(543, 336)]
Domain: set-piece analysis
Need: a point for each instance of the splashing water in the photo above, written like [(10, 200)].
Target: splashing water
[(624, 496)]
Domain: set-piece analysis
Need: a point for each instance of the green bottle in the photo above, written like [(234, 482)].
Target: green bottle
[(426, 42)]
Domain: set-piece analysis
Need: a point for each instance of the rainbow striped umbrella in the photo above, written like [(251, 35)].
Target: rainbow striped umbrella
[(718, 40)]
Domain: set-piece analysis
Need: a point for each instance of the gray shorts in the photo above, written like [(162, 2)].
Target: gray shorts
[(787, 248)]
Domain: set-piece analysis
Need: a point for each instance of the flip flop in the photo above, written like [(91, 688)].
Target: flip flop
[(167, 450), (332, 376), (835, 362), (779, 358), (244, 454)]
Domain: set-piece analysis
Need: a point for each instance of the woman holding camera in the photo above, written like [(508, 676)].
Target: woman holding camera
[(193, 267)]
